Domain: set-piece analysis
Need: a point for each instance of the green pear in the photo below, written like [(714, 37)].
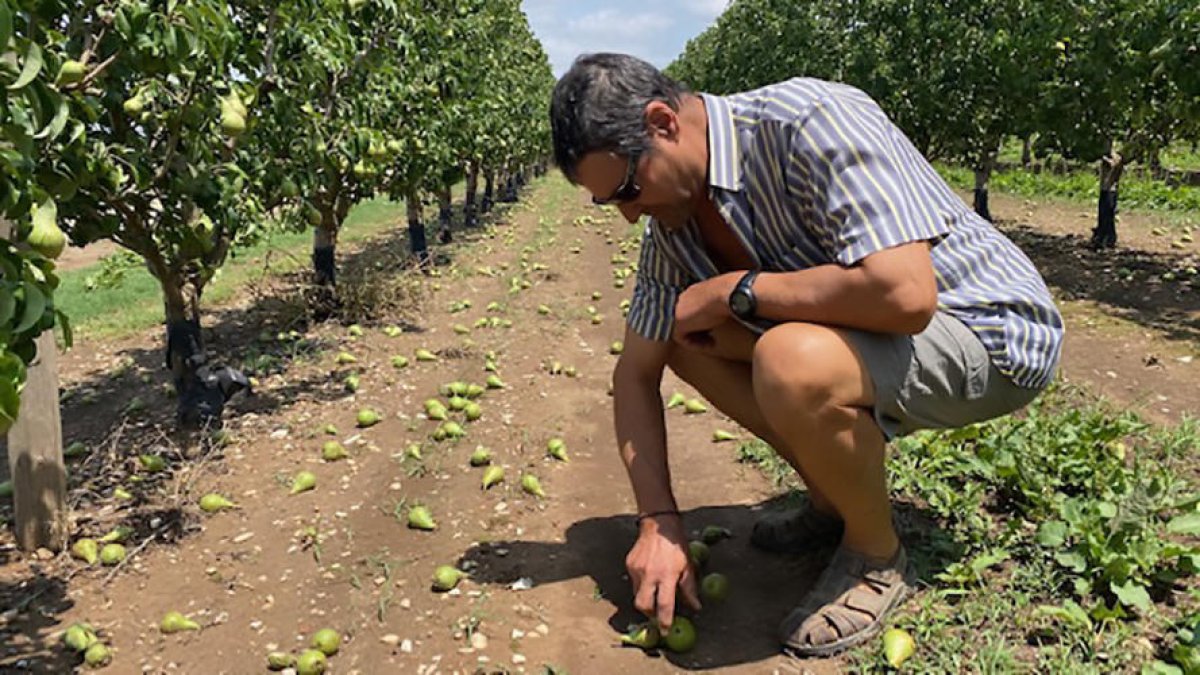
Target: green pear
[(45, 237), (303, 482), (492, 475), (694, 407), (898, 646), (86, 550), (645, 635), (494, 382), (280, 660), (532, 485), (97, 655), (213, 502), (677, 399), (557, 449), (722, 435), (714, 533), (698, 552), (367, 418), (111, 554), (399, 362), (327, 640), (481, 456), (425, 355), (714, 587), (79, 637), (419, 518), (331, 451), (70, 72), (473, 411), (174, 622), (312, 661), (446, 577)]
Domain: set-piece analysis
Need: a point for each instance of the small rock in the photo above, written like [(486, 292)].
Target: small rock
[(245, 536), (543, 629), (406, 646), (518, 659), (406, 603), (479, 641), (391, 639), (279, 433), (517, 633)]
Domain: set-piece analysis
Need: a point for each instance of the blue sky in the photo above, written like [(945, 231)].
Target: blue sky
[(655, 31)]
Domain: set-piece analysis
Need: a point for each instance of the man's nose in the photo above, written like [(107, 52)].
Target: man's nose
[(631, 212)]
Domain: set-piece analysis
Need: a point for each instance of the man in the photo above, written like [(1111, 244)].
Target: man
[(811, 275)]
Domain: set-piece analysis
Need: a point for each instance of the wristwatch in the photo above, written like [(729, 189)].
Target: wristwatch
[(742, 302)]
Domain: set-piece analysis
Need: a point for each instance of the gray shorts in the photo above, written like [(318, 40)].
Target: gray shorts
[(940, 378)]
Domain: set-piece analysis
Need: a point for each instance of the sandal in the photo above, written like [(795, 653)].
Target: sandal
[(848, 605), (796, 531)]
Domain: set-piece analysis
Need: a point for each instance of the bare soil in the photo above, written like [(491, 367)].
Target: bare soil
[(257, 578)]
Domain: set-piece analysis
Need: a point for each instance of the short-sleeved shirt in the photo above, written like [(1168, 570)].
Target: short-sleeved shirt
[(808, 172)]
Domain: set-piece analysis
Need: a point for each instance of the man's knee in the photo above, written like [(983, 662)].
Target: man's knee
[(808, 369)]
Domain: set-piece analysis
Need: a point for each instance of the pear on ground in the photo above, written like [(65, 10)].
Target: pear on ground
[(531, 484), (492, 475), (174, 622)]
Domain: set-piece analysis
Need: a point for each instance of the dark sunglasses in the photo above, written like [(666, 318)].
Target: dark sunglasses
[(628, 190)]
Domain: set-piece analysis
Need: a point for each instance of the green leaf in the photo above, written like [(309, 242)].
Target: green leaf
[(1052, 533), (1188, 523), (1072, 560), (1132, 594), (6, 25), (1160, 668), (33, 66)]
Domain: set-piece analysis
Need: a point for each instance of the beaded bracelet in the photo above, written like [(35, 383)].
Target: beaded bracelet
[(667, 512)]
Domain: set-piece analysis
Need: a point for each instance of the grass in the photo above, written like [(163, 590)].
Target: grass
[(1065, 542)]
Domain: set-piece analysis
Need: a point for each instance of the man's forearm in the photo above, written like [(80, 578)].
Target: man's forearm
[(642, 440)]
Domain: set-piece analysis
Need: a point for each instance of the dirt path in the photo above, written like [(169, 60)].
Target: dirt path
[(256, 582)]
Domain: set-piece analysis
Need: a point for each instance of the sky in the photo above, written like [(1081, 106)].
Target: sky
[(654, 31)]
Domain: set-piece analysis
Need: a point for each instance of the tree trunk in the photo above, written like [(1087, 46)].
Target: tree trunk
[(1154, 162), (1026, 151), (489, 179), (1105, 233), (416, 230), (983, 173), (445, 215), (469, 199), (197, 403), (324, 255)]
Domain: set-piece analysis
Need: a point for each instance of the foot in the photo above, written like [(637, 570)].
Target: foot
[(797, 531), (848, 605)]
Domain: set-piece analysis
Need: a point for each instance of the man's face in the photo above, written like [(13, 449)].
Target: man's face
[(663, 190)]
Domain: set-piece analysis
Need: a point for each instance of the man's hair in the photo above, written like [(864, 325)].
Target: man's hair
[(600, 104)]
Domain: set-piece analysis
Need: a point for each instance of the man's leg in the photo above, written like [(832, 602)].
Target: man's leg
[(722, 375)]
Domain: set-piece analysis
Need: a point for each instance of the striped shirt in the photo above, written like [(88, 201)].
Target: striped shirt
[(807, 173)]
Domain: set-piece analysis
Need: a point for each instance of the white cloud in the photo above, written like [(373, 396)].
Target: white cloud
[(709, 9)]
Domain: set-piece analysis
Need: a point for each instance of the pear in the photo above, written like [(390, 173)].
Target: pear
[(492, 475), (714, 587), (392, 331), (898, 645), (413, 450), (6, 488), (446, 578), (355, 330), (532, 485), (461, 329), (311, 662), (473, 411), (134, 105), (79, 637), (152, 462), (70, 72), (425, 355), (616, 347), (213, 502), (543, 310), (452, 429), (121, 493), (367, 418), (303, 482), (75, 449), (118, 534), (676, 399), (557, 449), (45, 237), (86, 550), (352, 382), (437, 412), (345, 357), (111, 554), (280, 660), (711, 534), (643, 635), (481, 456), (722, 435), (232, 123), (330, 429), (494, 382), (457, 388), (399, 362), (489, 366), (174, 622), (698, 552), (327, 640), (457, 402), (694, 407), (419, 518), (474, 390), (97, 655), (331, 451)]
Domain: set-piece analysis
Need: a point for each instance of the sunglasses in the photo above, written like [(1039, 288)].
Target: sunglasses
[(628, 190)]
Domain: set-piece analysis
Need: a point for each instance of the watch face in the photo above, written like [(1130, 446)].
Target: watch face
[(739, 303)]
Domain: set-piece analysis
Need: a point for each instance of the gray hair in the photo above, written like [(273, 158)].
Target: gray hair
[(600, 104)]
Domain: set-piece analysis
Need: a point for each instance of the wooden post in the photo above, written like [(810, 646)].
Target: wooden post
[(35, 456)]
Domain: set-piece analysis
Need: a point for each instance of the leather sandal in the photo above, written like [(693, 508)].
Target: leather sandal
[(848, 605), (797, 531)]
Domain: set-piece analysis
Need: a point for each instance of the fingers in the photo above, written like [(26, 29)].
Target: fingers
[(666, 605), (643, 600), (689, 589)]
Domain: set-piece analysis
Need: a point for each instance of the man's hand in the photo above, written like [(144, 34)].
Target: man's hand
[(702, 307), (657, 564)]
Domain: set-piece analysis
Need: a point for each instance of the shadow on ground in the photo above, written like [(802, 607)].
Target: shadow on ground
[(1127, 283), (764, 587)]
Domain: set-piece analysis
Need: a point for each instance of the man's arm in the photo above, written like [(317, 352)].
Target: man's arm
[(658, 562)]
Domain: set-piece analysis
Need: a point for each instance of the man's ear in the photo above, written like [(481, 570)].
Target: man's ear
[(661, 120)]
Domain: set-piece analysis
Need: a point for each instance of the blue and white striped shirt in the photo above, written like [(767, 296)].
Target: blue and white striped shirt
[(807, 173)]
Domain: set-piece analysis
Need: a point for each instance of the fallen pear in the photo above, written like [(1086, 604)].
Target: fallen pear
[(714, 587), (121, 493), (898, 646), (557, 448), (419, 518), (213, 502), (446, 577), (452, 429), (543, 310), (97, 655), (682, 635), (457, 388), (425, 355), (330, 429), (331, 451), (355, 330), (280, 660), (694, 407), (86, 550), (698, 553), (711, 534), (492, 475), (616, 347), (352, 382), (474, 390), (367, 418), (152, 462), (79, 636), (489, 366), (311, 662), (473, 411), (345, 357), (532, 485), (303, 482), (327, 640), (457, 402), (461, 329), (118, 534), (413, 450), (645, 635), (494, 382), (399, 361), (392, 331), (174, 622), (111, 554), (481, 456), (722, 435), (677, 399)]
